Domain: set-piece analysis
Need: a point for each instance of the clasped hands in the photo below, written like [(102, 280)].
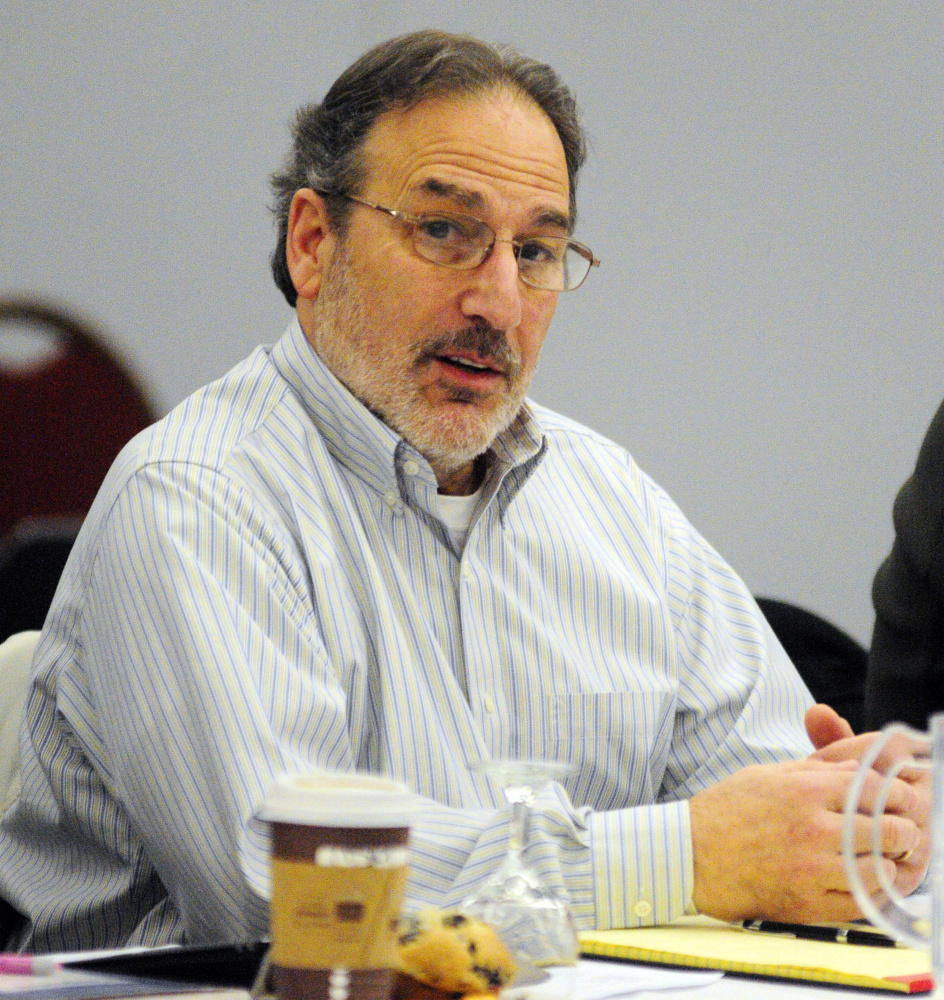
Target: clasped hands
[(767, 841)]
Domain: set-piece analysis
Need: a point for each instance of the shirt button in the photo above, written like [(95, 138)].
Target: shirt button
[(410, 467), (643, 908), (391, 499), (489, 704)]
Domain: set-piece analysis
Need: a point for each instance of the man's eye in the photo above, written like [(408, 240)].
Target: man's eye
[(542, 251), (441, 229)]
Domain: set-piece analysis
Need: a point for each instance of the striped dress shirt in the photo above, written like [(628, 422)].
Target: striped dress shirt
[(264, 585)]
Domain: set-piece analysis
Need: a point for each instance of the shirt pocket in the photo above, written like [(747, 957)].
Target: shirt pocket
[(617, 740)]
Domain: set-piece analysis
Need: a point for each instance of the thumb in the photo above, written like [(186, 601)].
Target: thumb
[(824, 726)]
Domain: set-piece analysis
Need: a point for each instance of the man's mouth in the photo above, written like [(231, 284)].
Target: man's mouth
[(469, 364), (475, 360)]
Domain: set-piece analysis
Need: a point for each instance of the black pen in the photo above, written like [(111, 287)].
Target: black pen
[(813, 932)]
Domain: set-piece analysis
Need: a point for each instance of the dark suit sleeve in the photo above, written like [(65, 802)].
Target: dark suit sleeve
[(906, 662)]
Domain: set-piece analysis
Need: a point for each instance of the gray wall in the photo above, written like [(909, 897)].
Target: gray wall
[(763, 188)]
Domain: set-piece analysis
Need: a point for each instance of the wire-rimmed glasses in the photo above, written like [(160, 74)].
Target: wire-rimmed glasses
[(462, 242)]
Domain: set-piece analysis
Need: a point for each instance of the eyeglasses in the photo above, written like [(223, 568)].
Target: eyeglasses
[(551, 263)]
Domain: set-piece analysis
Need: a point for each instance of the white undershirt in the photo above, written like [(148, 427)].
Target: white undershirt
[(456, 514)]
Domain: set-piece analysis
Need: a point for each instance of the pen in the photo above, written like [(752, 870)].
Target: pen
[(812, 932), (28, 965)]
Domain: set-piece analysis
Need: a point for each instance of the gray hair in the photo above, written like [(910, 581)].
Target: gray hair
[(398, 74)]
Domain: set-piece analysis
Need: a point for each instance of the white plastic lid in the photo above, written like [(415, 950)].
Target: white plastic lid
[(342, 800)]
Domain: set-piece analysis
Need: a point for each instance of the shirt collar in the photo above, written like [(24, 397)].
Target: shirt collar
[(373, 451)]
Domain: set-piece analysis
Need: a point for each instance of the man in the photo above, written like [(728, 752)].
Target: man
[(364, 549)]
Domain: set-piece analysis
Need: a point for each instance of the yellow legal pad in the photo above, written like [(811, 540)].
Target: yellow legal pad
[(703, 943)]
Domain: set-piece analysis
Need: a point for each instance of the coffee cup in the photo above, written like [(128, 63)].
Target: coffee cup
[(340, 854)]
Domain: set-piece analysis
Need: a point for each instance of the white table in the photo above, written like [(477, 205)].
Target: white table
[(567, 984), (745, 988)]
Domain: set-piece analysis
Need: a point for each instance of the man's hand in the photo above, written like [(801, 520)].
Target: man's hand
[(767, 841), (834, 741)]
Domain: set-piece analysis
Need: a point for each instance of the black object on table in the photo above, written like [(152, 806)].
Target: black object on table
[(232, 965)]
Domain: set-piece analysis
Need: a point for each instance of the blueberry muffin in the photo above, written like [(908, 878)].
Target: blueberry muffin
[(442, 953)]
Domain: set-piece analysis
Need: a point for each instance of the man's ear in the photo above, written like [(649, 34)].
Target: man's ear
[(310, 242)]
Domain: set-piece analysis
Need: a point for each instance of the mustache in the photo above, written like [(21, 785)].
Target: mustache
[(482, 339)]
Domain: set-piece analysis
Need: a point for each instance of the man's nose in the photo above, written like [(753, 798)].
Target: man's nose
[(494, 291)]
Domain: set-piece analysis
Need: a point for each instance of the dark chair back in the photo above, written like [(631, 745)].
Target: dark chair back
[(66, 410), (64, 418)]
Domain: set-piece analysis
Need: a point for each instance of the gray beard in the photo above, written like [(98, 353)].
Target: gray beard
[(384, 381)]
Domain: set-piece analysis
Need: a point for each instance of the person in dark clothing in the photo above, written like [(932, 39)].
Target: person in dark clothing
[(905, 680)]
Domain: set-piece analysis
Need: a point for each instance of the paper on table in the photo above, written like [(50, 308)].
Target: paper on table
[(705, 943), (594, 980), (66, 957), (70, 984)]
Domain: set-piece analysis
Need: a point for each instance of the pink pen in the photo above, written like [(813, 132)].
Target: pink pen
[(28, 965)]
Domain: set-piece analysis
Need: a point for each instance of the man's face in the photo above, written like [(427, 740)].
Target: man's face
[(443, 356)]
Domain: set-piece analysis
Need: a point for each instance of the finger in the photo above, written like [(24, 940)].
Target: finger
[(899, 797), (833, 875), (911, 873), (897, 836), (814, 784), (901, 748), (841, 906), (851, 748), (825, 726), (905, 875)]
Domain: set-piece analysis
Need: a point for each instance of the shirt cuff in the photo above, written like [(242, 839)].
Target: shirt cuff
[(642, 865)]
